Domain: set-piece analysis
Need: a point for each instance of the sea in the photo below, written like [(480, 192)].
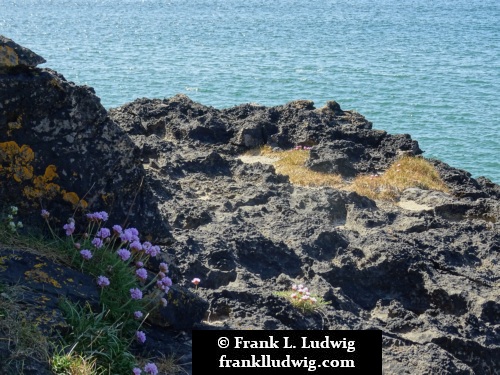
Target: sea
[(428, 68)]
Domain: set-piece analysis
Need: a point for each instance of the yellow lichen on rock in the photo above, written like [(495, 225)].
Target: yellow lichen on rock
[(40, 276), (8, 57), (72, 197), (16, 161), (15, 125), (43, 187), (107, 198)]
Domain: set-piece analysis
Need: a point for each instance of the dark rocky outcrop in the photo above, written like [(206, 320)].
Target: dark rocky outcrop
[(12, 55), (425, 271)]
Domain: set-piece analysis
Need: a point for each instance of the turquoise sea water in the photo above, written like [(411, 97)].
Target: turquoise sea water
[(429, 68)]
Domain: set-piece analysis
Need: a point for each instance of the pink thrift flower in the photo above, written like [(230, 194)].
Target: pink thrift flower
[(164, 302), (294, 287), (138, 315), (103, 233), (136, 246), (134, 232), (139, 264), (151, 369), (69, 228), (140, 336), (141, 273), (126, 236), (163, 267), (167, 281), (135, 293), (98, 216), (196, 281), (102, 281), (136, 371), (45, 214), (117, 229), (86, 254), (129, 235), (97, 242), (124, 254), (153, 251), (103, 215)]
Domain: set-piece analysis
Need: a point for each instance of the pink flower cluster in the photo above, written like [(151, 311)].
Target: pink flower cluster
[(130, 236), (302, 293), (98, 216), (140, 336), (129, 248), (299, 147), (102, 281), (149, 368), (124, 254), (164, 284), (86, 254), (70, 227), (103, 233), (142, 274), (135, 293)]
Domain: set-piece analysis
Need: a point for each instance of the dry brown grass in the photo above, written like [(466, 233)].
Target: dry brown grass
[(19, 331), (291, 163), (406, 172), (33, 244), (169, 365)]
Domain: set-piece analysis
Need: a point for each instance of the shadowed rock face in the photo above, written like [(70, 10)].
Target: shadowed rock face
[(65, 126), (427, 275)]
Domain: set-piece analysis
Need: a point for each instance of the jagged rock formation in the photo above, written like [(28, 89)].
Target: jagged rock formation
[(13, 55), (425, 271)]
